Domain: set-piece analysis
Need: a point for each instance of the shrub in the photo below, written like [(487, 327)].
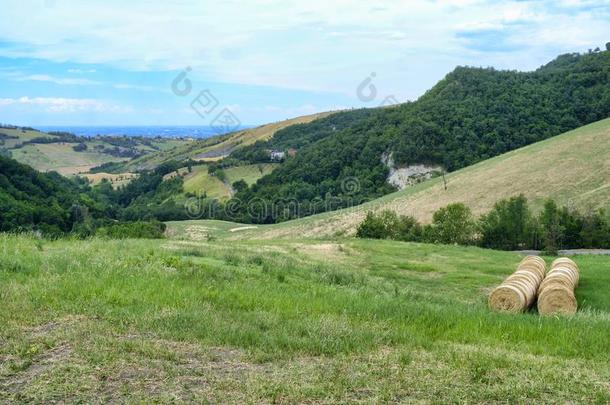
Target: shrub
[(595, 231), (138, 229), (509, 225), (388, 225), (453, 224)]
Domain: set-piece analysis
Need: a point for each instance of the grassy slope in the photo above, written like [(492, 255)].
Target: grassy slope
[(573, 168), (261, 133), (62, 158), (21, 135), (117, 180), (199, 180), (214, 148), (57, 156), (249, 173), (286, 321)]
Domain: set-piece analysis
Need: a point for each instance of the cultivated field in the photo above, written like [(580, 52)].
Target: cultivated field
[(195, 318)]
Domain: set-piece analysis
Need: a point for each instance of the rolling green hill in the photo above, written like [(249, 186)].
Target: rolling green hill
[(56, 151), (572, 168), (471, 115), (218, 147), (198, 181)]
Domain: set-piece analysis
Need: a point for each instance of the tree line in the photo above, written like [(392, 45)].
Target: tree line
[(510, 225)]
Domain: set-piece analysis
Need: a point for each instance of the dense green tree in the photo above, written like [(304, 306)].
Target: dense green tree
[(388, 225), (453, 224), (553, 230), (509, 225)]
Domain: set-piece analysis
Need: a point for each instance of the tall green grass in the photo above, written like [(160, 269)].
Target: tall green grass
[(280, 302)]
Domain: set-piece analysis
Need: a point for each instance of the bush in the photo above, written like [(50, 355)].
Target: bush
[(139, 229), (453, 224), (595, 231), (80, 147), (509, 225), (388, 225)]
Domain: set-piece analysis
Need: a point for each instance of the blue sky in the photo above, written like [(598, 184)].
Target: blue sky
[(110, 62)]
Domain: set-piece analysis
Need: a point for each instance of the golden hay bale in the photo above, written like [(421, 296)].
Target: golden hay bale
[(564, 260), (567, 272), (557, 299), (556, 292), (565, 263), (518, 291), (533, 278), (555, 279), (507, 298), (533, 267), (534, 260), (527, 288)]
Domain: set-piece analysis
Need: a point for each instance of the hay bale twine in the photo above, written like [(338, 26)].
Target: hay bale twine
[(518, 291), (556, 292)]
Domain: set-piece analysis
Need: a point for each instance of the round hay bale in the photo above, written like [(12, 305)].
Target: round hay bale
[(557, 299), (571, 274), (556, 292), (528, 290), (534, 268), (535, 260), (518, 291), (555, 280), (564, 260), (507, 298), (532, 277)]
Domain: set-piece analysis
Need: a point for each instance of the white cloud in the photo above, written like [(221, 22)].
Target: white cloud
[(61, 81), (59, 104), (127, 86), (312, 45), (82, 71)]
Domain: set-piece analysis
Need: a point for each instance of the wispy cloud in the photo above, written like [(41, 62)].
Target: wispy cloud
[(284, 48), (59, 80), (58, 104), (294, 44)]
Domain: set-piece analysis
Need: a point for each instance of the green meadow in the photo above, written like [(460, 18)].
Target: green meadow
[(320, 321)]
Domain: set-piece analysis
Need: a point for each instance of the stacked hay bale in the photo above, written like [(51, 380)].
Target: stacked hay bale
[(556, 293), (518, 292)]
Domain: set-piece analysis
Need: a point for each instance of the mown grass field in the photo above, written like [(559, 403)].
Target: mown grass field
[(318, 321), (572, 168)]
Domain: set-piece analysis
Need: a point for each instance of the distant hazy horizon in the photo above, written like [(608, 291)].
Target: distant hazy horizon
[(166, 131)]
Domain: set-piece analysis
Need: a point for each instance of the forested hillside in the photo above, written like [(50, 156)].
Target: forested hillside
[(33, 200), (56, 205), (471, 115)]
